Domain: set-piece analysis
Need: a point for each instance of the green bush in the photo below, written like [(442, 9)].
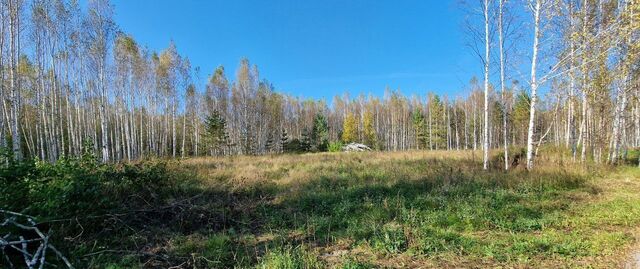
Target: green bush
[(632, 156), (336, 146), (74, 186), (517, 157)]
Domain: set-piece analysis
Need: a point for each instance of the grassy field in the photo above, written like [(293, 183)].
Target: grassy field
[(362, 210), (411, 209)]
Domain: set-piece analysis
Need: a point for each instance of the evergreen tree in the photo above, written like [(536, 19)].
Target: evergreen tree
[(521, 114), (320, 134), (419, 128), (305, 142), (269, 145), (216, 134), (438, 126)]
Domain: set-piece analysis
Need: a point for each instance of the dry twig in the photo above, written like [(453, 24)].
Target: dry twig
[(40, 243)]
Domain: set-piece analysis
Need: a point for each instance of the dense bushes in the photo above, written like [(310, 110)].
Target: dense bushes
[(517, 156), (86, 205), (81, 186), (631, 156)]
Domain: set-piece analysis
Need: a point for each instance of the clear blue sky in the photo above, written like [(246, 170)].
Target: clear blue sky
[(318, 48)]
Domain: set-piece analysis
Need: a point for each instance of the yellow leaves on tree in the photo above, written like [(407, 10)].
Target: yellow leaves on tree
[(349, 129)]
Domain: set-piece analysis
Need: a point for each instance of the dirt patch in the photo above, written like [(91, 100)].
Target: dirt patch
[(634, 260)]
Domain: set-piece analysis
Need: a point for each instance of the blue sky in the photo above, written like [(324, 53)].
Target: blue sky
[(315, 49)]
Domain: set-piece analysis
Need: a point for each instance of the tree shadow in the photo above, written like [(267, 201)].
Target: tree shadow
[(426, 206)]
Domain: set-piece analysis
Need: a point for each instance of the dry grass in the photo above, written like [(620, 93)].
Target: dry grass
[(561, 215)]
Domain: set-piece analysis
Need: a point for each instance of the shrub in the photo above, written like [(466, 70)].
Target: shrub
[(517, 157), (632, 156), (296, 146), (336, 146), (80, 187)]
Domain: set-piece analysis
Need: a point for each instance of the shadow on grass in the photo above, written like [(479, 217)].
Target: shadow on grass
[(421, 207)]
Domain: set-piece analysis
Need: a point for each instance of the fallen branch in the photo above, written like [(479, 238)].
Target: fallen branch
[(22, 245)]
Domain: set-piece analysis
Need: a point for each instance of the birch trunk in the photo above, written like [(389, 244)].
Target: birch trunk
[(502, 86), (534, 84), (585, 93), (485, 147), (14, 44), (103, 114)]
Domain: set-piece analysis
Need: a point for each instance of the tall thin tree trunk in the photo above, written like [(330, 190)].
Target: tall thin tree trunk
[(534, 84), (585, 92), (485, 162), (502, 86), (572, 85), (184, 134), (14, 44), (103, 114)]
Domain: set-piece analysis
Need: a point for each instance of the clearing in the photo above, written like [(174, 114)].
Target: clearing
[(417, 209), (412, 209)]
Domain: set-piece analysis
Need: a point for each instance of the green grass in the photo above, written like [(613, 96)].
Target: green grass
[(370, 210)]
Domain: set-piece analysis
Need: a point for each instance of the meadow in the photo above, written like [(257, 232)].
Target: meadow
[(416, 209)]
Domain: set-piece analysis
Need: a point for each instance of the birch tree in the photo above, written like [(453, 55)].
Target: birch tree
[(100, 31), (487, 60), (14, 10), (535, 6)]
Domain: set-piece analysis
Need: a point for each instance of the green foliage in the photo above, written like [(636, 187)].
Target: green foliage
[(320, 134), (284, 139), (336, 146), (387, 208), (520, 114), (208, 251), (216, 132), (86, 197), (289, 258), (517, 157), (305, 142), (296, 146), (419, 128), (631, 156), (74, 186), (390, 238), (438, 127), (355, 264)]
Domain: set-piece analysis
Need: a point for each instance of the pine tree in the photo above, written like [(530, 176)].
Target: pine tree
[(438, 128), (305, 142), (320, 134), (419, 128), (269, 145), (215, 126)]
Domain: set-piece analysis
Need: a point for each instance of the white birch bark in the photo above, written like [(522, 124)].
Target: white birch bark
[(534, 84), (14, 44), (485, 143), (502, 82)]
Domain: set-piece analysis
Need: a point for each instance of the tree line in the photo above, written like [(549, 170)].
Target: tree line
[(71, 81)]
